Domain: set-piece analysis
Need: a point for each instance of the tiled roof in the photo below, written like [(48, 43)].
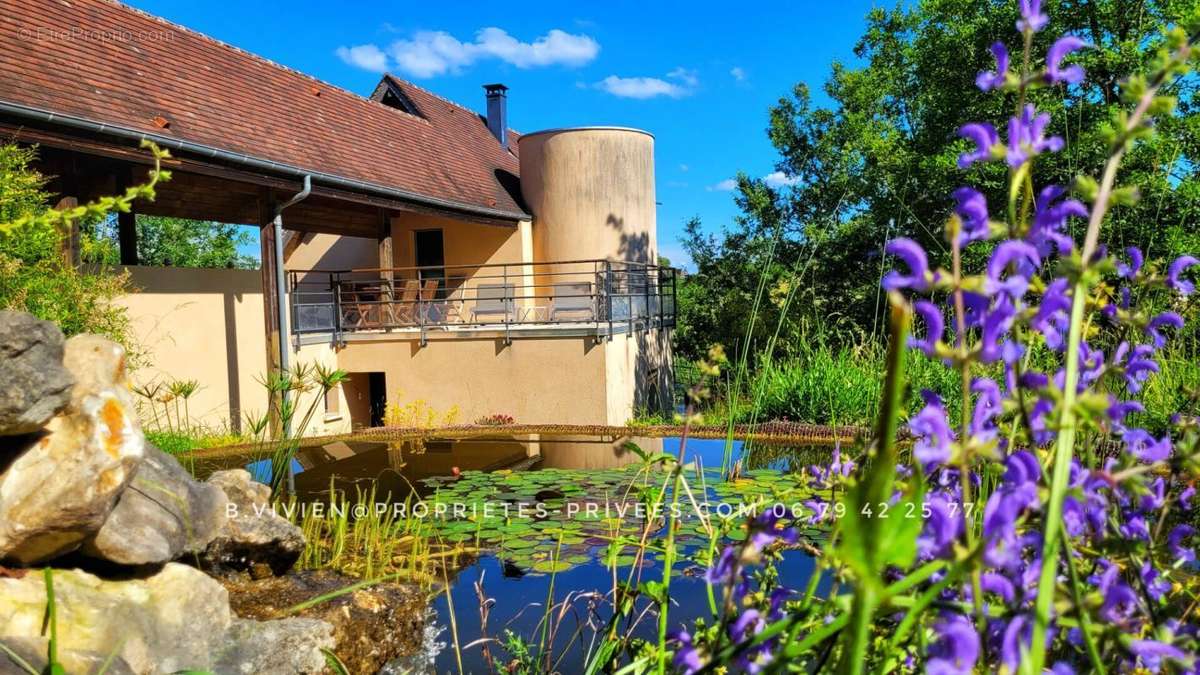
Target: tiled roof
[(106, 62)]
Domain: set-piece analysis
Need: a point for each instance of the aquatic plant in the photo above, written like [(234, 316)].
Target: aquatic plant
[(1042, 527), (495, 420)]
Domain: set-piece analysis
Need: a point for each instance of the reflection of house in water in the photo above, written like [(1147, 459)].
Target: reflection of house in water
[(395, 467)]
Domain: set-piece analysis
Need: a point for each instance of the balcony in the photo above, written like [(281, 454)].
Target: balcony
[(509, 300)]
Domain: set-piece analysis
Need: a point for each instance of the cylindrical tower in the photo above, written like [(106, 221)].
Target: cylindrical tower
[(591, 192)]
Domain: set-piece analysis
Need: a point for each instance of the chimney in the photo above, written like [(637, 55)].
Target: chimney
[(497, 112)]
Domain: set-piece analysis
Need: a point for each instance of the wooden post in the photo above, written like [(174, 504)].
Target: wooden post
[(386, 263), (70, 240), (266, 240), (127, 224)]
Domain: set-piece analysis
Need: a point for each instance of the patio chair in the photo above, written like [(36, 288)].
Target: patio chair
[(404, 310), (572, 301), (359, 308), (493, 301)]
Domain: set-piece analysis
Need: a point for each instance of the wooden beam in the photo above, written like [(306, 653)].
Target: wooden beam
[(70, 241), (266, 240)]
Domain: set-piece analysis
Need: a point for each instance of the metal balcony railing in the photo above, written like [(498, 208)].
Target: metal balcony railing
[(603, 297)]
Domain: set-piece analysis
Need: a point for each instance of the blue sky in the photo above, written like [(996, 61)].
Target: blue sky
[(699, 76)]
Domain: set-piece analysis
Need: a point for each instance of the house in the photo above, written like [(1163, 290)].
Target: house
[(426, 248)]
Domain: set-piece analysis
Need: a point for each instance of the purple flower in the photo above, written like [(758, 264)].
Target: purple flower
[(1049, 218), (1120, 601), (940, 529), (1175, 542), (1027, 136), (1156, 585), (779, 596), (1165, 319), (999, 584), (932, 430), (1054, 72), (1185, 497), (1143, 446), (1152, 652), (1022, 257), (687, 657), (995, 325), (1118, 410), (1181, 263), (985, 137), (1135, 263), (1004, 507), (1139, 367), (987, 406), (919, 277), (935, 326), (989, 80), (1032, 18), (956, 648), (1017, 636), (973, 210), (748, 624), (720, 573), (1052, 316)]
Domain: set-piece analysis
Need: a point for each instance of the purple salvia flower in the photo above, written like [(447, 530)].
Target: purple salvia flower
[(993, 582), (1059, 50), (985, 138), (1120, 601), (1185, 497), (935, 326), (932, 430), (687, 657), (956, 648), (1165, 319), (919, 277), (973, 210), (1025, 261), (1052, 319), (1143, 446), (1027, 136), (987, 406), (1032, 18), (1017, 637), (1129, 271), (988, 80), (1049, 218), (940, 529), (1181, 263), (1175, 543), (748, 624), (1152, 652), (720, 573), (1118, 410), (1156, 585), (1140, 366)]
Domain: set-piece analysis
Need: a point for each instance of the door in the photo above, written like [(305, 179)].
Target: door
[(377, 394), (430, 253)]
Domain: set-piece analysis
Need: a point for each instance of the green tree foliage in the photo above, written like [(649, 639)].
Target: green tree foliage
[(876, 163), (34, 276), (175, 242)]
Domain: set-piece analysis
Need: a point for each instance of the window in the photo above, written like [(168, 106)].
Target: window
[(333, 409)]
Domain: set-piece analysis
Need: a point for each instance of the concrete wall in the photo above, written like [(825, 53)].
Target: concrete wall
[(591, 192)]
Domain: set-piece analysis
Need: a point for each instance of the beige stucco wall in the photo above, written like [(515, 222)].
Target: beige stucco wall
[(537, 381), (591, 192), (638, 374), (207, 325)]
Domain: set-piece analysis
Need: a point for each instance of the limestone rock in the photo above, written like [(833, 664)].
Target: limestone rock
[(177, 619), (33, 383), (372, 626), (162, 515), (255, 537), (34, 650), (65, 480)]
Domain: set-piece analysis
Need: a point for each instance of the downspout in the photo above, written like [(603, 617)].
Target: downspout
[(281, 302)]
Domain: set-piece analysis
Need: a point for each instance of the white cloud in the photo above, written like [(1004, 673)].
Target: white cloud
[(738, 74), (778, 179), (432, 53), (640, 87), (687, 77), (367, 57), (683, 168), (679, 82), (775, 179)]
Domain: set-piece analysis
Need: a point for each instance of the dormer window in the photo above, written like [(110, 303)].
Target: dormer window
[(393, 96)]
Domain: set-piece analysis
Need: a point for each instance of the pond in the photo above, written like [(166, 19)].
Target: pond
[(555, 511)]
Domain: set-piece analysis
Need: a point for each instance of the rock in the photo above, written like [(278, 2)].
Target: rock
[(34, 385), (255, 537), (178, 619), (64, 482), (372, 626), (294, 647), (34, 650), (162, 515)]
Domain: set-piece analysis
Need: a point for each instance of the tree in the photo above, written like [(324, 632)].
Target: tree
[(175, 242), (876, 164)]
